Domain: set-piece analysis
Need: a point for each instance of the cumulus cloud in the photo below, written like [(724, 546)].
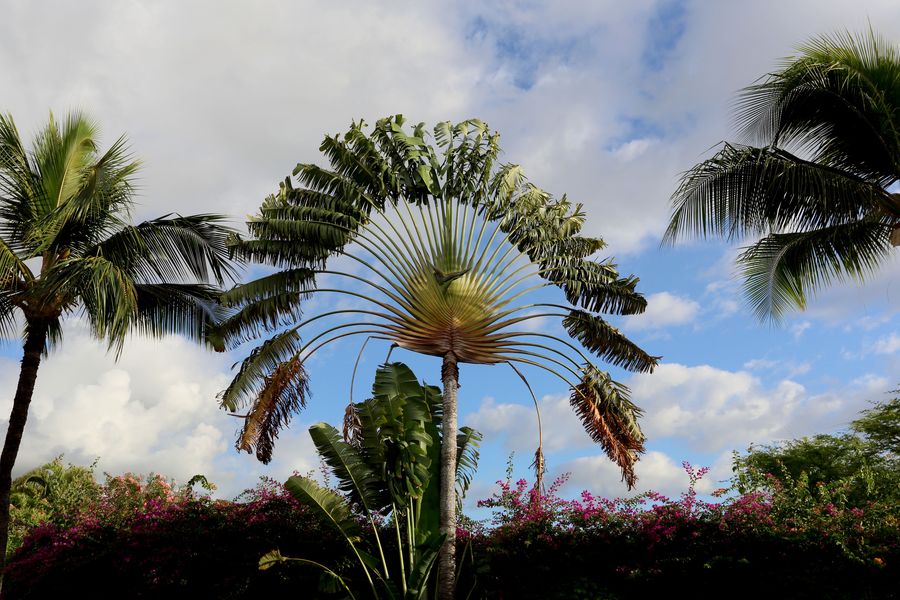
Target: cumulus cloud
[(160, 394), (713, 409), (656, 471), (664, 310), (703, 410), (153, 410), (887, 345), (517, 423)]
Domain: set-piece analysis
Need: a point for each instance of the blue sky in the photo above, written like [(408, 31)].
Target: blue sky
[(605, 101)]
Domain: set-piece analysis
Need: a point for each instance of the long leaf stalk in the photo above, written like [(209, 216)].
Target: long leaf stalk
[(539, 466)]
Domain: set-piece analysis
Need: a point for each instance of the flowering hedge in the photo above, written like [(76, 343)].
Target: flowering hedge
[(783, 544), (149, 539), (144, 540)]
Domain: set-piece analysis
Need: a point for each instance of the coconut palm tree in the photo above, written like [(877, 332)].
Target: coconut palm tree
[(442, 252), (815, 188), (67, 247)]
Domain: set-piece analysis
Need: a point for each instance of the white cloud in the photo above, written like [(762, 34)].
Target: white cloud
[(788, 368), (663, 310), (633, 149), (798, 329), (517, 423), (713, 409), (656, 471), (760, 363), (702, 410), (887, 344), (153, 410)]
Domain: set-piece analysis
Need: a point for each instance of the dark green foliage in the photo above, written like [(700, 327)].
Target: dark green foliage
[(388, 470), (196, 549), (865, 460), (695, 559), (880, 428)]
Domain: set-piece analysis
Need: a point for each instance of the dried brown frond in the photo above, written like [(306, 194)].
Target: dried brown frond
[(540, 467), (352, 426), (283, 394), (610, 418)]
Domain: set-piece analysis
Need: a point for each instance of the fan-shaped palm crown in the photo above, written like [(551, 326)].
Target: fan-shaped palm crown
[(449, 242), (448, 245), (817, 188)]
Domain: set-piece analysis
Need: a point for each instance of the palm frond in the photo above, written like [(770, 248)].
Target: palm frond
[(595, 286), (186, 309), (467, 455), (106, 292), (836, 100), (446, 241), (262, 305), (606, 341), (283, 393), (263, 360), (327, 504), (610, 418), (18, 185), (781, 269), (171, 249), (744, 191), (356, 478), (14, 273), (63, 155)]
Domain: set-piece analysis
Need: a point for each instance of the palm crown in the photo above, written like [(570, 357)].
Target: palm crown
[(448, 243), (816, 190), (67, 206), (67, 245)]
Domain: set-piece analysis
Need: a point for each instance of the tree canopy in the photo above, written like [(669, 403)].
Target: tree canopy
[(814, 190)]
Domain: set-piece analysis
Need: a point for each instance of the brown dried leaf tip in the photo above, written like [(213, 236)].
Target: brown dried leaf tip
[(352, 426), (283, 393), (610, 418)]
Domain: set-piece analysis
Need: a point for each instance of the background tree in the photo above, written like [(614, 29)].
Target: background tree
[(67, 246), (53, 492), (866, 459), (879, 426), (816, 188), (449, 244)]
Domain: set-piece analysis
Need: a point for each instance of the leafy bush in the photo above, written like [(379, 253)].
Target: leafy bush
[(786, 541), (53, 492), (787, 544), (141, 541)]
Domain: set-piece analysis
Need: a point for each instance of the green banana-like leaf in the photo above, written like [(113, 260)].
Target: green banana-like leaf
[(425, 557), (401, 432), (429, 514), (356, 478), (330, 506), (467, 442)]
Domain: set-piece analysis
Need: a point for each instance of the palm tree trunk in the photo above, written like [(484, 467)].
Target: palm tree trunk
[(447, 560), (31, 360)]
